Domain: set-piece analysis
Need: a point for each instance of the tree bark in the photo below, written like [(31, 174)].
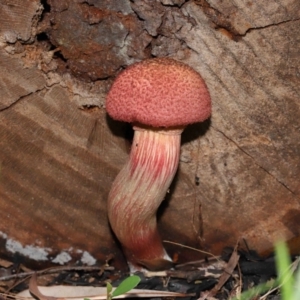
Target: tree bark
[(59, 151)]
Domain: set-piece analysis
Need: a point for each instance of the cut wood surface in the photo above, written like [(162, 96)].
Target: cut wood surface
[(59, 152)]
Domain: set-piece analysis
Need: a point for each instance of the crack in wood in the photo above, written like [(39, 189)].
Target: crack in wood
[(268, 26), (21, 98), (221, 23), (255, 162)]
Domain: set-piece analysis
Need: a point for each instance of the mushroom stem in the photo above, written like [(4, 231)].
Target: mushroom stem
[(138, 191)]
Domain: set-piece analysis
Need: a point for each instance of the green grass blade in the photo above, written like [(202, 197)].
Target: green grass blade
[(285, 276), (297, 286), (255, 291), (126, 285)]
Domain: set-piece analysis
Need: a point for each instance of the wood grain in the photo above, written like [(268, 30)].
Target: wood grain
[(19, 19), (55, 168)]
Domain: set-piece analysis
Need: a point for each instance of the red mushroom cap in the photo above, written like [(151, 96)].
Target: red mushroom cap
[(159, 92)]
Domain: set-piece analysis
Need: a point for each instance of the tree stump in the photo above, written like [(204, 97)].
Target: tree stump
[(59, 151)]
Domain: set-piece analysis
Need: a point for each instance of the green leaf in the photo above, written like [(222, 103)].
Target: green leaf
[(126, 285)]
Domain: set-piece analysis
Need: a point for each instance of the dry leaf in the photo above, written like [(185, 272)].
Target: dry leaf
[(34, 290), (5, 263), (93, 293)]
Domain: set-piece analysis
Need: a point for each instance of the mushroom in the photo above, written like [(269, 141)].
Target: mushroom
[(159, 96)]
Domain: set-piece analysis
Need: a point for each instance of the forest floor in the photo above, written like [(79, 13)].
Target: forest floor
[(224, 277)]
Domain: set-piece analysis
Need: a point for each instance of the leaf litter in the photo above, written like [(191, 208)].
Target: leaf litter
[(212, 278)]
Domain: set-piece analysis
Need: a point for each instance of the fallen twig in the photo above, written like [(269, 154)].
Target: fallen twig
[(213, 270), (232, 263)]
